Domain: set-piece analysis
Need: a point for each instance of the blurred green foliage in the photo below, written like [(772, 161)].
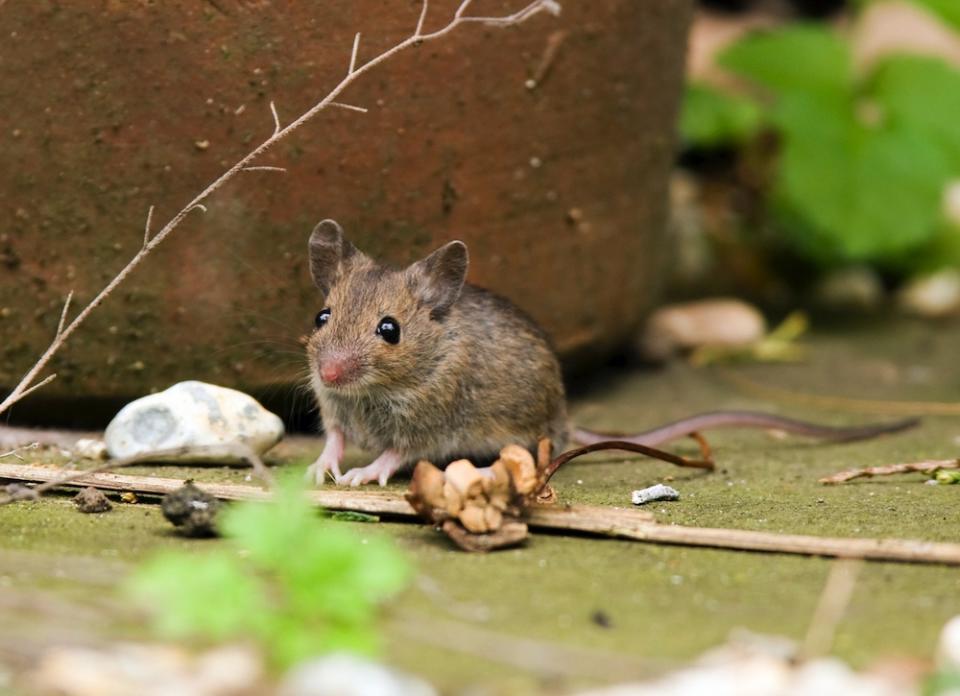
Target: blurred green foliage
[(947, 10), (293, 582), (942, 683), (863, 160)]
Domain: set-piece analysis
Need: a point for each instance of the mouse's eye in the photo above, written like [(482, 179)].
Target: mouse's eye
[(389, 330), (323, 316)]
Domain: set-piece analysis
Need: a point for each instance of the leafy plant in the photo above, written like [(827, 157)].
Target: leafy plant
[(943, 683), (864, 160), (297, 584)]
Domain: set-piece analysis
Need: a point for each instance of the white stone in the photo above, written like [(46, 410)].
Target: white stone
[(713, 322), (193, 415), (932, 295), (347, 675), (948, 650)]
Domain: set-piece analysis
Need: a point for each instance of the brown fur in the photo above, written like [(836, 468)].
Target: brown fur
[(470, 374)]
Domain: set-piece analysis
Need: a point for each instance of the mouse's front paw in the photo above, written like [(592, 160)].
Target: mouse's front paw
[(380, 470), (317, 472)]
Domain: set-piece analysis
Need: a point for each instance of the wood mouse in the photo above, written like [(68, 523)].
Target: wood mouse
[(415, 363)]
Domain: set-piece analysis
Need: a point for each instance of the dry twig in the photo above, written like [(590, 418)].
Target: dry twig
[(928, 467), (27, 383), (834, 600)]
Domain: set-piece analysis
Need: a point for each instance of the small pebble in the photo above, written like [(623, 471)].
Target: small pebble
[(653, 493), (91, 499), (90, 448), (715, 322), (932, 296)]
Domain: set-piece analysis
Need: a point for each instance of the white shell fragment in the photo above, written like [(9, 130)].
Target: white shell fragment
[(193, 415), (653, 493)]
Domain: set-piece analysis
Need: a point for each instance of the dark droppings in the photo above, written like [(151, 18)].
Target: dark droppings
[(192, 511), (91, 499)]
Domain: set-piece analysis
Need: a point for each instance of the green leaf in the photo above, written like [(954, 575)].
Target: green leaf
[(710, 118), (852, 192), (801, 58), (209, 596), (947, 10), (921, 95), (270, 531)]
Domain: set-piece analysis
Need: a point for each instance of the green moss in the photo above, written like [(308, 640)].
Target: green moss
[(665, 604)]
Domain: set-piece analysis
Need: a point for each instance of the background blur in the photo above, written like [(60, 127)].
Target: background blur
[(820, 157)]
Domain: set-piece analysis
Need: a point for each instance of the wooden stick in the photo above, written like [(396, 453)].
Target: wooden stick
[(622, 523), (927, 467)]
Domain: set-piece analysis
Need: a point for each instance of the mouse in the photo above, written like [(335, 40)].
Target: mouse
[(415, 363)]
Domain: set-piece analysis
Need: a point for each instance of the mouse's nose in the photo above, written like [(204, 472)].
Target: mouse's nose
[(337, 369)]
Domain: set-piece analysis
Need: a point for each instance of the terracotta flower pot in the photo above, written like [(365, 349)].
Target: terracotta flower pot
[(110, 107)]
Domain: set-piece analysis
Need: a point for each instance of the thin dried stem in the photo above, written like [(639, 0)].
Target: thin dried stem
[(8, 402), (418, 32), (244, 162), (834, 600), (353, 54), (926, 467), (463, 8), (350, 107), (276, 118), (147, 225), (264, 169), (565, 457), (17, 450), (63, 314)]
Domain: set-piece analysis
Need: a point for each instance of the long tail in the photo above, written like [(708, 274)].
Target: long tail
[(746, 419)]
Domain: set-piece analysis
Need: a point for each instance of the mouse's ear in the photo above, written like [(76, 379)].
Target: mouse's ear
[(329, 249), (439, 278)]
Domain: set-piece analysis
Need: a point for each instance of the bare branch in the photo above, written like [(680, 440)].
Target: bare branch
[(418, 32), (925, 467), (246, 164), (146, 227), (276, 119), (16, 451), (63, 314), (264, 169), (517, 17), (14, 397), (349, 107), (353, 55), (463, 8)]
